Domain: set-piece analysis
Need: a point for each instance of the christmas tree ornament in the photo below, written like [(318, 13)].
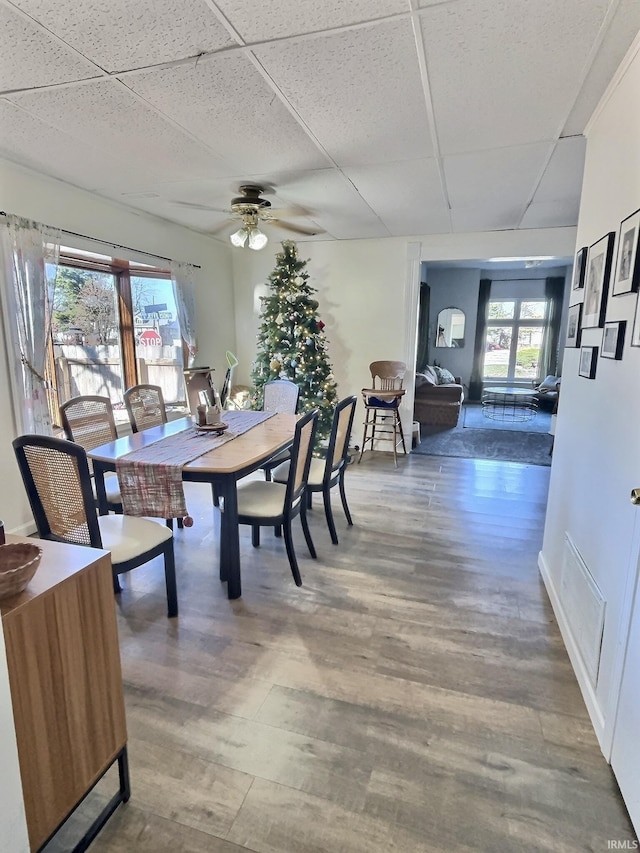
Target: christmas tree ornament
[(320, 325)]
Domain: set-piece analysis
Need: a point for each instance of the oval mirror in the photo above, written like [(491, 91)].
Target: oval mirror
[(450, 328)]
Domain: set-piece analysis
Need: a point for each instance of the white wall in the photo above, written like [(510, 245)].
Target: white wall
[(45, 200), (596, 460)]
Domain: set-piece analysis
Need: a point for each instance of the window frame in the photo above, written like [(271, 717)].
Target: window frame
[(121, 270), (514, 324)]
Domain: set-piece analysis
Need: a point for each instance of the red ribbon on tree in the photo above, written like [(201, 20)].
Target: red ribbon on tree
[(320, 325)]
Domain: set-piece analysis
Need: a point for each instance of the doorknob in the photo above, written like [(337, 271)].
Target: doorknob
[(635, 497)]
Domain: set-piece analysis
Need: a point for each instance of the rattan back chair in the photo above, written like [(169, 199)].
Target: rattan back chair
[(280, 396), (56, 476), (326, 473), (88, 421), (145, 406), (262, 503), (382, 420)]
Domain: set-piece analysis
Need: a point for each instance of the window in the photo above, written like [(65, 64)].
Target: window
[(114, 325), (516, 330)]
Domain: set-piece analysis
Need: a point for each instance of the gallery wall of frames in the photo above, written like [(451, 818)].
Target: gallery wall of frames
[(597, 280)]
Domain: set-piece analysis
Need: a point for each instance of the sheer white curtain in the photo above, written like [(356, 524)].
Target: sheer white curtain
[(184, 292), (30, 253)]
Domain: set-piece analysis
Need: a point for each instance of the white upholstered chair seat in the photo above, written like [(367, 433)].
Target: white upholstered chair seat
[(261, 499), (316, 472), (128, 536)]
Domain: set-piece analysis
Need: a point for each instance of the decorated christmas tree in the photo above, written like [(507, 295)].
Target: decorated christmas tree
[(291, 341)]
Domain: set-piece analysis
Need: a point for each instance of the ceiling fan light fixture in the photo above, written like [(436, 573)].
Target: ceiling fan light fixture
[(257, 240), (239, 237)]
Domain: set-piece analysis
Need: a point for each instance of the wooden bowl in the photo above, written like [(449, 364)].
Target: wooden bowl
[(18, 564)]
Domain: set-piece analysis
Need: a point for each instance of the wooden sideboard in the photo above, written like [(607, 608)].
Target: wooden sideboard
[(66, 686)]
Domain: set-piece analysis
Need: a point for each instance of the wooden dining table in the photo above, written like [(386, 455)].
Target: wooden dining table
[(222, 467)]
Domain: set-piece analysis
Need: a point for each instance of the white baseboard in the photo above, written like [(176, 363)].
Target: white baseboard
[(26, 529), (584, 682)]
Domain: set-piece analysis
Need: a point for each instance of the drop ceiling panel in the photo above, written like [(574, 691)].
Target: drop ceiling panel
[(121, 34), (359, 93), (31, 57), (108, 117), (505, 176), (616, 41), (32, 143), (226, 103), (266, 21), (334, 203), (506, 72), (551, 214), (563, 175), (408, 196), (486, 217)]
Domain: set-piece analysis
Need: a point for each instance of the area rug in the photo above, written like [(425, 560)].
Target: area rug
[(472, 417), (529, 448)]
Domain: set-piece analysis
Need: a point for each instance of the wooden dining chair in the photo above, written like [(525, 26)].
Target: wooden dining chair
[(88, 421), (280, 396), (326, 473), (382, 400), (56, 476), (145, 406), (263, 503)]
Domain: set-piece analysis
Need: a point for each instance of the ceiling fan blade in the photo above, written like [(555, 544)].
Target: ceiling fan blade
[(297, 229)]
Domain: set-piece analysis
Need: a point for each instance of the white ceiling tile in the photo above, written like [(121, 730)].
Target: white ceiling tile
[(262, 22), (107, 116), (30, 142), (506, 72), (359, 93), (505, 176), (617, 40), (227, 104), (563, 176), (408, 196), (333, 202), (123, 34), (31, 57), (486, 217), (551, 214)]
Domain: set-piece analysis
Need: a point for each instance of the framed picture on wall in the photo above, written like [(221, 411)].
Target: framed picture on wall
[(627, 275), (597, 281), (588, 361), (574, 332), (613, 339), (579, 267), (635, 332)]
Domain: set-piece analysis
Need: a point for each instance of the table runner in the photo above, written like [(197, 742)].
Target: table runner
[(151, 478)]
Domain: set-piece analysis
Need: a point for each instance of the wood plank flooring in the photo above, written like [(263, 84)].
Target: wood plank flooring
[(413, 695)]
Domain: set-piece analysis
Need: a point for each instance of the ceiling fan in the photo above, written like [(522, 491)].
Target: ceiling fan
[(252, 210)]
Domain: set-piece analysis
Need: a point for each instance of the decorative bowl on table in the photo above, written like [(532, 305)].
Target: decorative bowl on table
[(18, 564)]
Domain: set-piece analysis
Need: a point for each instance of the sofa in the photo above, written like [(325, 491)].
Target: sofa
[(438, 397), (547, 393)]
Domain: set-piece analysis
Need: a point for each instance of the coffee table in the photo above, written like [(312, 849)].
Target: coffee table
[(509, 404)]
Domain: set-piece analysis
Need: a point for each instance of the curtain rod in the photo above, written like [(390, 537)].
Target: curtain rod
[(114, 245)]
